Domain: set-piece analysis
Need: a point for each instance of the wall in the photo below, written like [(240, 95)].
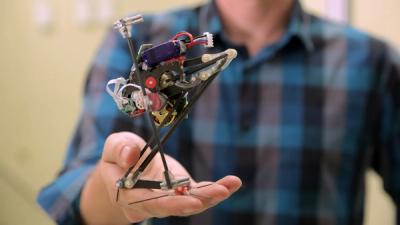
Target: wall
[(41, 90)]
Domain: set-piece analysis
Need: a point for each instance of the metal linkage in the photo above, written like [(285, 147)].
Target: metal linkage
[(124, 25)]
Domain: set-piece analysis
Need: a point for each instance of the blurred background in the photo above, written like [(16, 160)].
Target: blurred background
[(46, 47)]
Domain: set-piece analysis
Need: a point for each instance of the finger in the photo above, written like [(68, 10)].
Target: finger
[(122, 149), (210, 194), (232, 183), (200, 200), (220, 189), (173, 205), (213, 193), (111, 173)]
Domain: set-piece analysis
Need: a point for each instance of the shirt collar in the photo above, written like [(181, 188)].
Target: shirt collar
[(300, 26), (299, 23)]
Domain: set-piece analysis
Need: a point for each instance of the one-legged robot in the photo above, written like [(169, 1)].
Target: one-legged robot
[(159, 84)]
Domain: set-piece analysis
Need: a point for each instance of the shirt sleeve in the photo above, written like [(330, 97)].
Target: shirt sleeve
[(98, 119), (386, 156)]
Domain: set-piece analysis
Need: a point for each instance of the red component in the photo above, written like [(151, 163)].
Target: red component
[(182, 190), (136, 113), (156, 102), (151, 82), (180, 59)]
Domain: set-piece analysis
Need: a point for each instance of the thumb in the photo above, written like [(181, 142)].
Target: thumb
[(122, 149)]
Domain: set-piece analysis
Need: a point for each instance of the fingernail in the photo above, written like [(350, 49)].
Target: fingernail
[(125, 154)]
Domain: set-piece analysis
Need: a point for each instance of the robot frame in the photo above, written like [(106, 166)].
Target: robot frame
[(158, 85)]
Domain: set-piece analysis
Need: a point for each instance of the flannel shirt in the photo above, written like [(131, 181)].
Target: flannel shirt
[(300, 123)]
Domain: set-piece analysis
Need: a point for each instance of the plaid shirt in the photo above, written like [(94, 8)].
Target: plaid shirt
[(300, 123)]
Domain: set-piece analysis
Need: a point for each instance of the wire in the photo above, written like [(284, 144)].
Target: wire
[(196, 43), (184, 33)]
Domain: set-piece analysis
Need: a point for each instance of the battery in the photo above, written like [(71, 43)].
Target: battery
[(162, 52)]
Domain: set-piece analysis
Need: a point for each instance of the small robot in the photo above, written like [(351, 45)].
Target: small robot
[(164, 85)]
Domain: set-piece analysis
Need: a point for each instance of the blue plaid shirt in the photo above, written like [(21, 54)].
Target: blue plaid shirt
[(300, 123)]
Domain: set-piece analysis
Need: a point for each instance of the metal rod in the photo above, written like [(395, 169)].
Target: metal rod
[(148, 111), (149, 142), (177, 121)]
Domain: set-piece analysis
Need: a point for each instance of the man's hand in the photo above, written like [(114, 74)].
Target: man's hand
[(121, 150)]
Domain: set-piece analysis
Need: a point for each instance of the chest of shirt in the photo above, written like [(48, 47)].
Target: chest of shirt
[(277, 102)]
